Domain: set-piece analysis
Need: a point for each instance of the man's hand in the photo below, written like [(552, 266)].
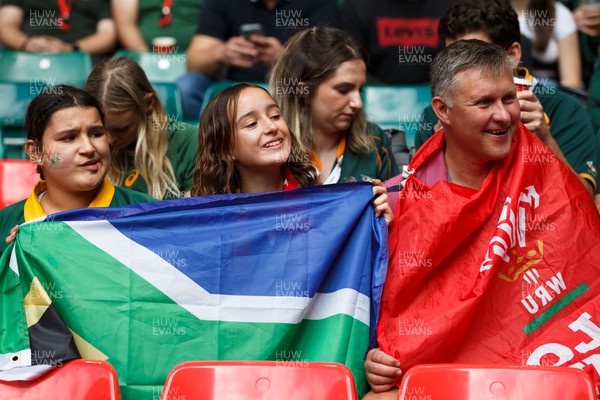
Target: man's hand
[(59, 46), (37, 44), (268, 48), (382, 370), (47, 44), (587, 18), (240, 52), (381, 204), (532, 115)]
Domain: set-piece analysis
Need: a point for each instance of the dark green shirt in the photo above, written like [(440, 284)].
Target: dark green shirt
[(184, 16), (41, 17), (183, 144), (378, 163)]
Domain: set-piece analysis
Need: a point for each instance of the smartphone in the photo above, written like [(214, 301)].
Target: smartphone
[(247, 30)]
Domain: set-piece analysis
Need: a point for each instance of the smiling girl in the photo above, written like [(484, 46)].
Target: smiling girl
[(67, 141), (245, 146)]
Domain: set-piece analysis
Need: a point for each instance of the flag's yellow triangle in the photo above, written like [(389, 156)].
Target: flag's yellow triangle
[(86, 349), (36, 302)]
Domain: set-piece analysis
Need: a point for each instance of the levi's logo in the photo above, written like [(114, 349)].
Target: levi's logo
[(407, 32)]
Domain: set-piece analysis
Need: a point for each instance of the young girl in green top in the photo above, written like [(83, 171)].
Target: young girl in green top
[(67, 142)]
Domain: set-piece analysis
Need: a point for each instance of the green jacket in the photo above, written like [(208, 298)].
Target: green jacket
[(378, 163), (183, 145)]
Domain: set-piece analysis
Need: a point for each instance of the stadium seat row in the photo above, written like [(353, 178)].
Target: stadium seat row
[(24, 75), (270, 380)]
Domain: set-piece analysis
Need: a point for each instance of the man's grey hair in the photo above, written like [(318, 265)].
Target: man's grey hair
[(463, 55)]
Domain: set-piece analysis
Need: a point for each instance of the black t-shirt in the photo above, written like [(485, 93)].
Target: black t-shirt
[(400, 36), (222, 19)]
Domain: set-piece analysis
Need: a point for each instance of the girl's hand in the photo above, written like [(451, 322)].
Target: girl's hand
[(13, 235), (381, 204)]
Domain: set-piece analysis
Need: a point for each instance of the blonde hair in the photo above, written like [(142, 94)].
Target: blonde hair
[(120, 84), (310, 57)]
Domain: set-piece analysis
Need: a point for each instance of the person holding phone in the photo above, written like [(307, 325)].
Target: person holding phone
[(226, 47)]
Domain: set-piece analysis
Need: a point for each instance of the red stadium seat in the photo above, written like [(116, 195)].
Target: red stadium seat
[(76, 380), (266, 380), (17, 177), (497, 382)]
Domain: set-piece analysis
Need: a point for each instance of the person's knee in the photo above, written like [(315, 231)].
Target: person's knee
[(193, 82)]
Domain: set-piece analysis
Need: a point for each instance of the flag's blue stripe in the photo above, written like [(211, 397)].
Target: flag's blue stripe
[(258, 244)]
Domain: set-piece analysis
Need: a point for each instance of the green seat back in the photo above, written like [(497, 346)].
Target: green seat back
[(158, 67), (397, 107), (45, 69), (170, 96), (14, 100), (22, 77)]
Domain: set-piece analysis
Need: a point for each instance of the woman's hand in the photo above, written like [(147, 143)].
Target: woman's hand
[(381, 204)]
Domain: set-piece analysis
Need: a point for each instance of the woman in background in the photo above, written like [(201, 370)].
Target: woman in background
[(317, 80), (552, 30)]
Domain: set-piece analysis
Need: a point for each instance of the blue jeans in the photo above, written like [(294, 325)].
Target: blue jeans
[(192, 86)]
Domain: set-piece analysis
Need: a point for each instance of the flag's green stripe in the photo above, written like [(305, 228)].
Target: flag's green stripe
[(12, 313), (556, 308), (146, 338), (325, 332), (315, 341)]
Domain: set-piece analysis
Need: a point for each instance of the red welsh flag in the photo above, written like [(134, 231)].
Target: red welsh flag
[(507, 274)]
